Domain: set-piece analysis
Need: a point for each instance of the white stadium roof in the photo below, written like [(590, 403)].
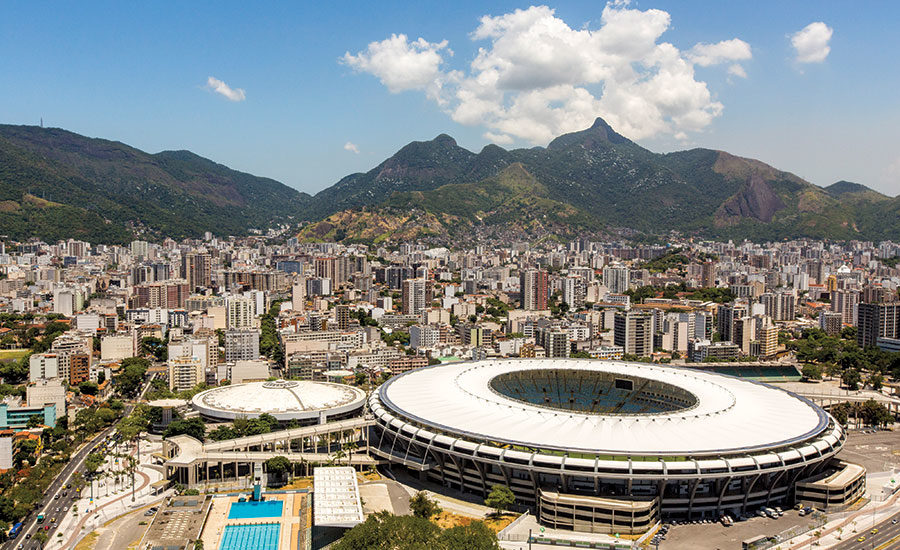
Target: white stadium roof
[(730, 415), (283, 399)]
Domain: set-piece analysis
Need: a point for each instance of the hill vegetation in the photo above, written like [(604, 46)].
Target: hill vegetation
[(56, 184), (592, 179)]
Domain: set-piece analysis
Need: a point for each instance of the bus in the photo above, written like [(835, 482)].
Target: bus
[(14, 532)]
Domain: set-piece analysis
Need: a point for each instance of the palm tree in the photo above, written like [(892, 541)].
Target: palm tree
[(350, 446), (338, 455)]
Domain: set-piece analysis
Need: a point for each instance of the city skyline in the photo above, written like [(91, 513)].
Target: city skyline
[(307, 95)]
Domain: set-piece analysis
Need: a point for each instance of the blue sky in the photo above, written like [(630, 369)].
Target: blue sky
[(139, 74)]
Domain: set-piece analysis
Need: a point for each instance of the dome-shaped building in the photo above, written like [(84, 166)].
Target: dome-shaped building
[(287, 400)]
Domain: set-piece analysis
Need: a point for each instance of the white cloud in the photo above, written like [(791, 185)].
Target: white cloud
[(720, 52), (501, 139), (811, 42), (219, 87), (402, 65), (352, 147), (737, 70), (536, 77)]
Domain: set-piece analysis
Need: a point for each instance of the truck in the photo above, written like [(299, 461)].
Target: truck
[(40, 518)]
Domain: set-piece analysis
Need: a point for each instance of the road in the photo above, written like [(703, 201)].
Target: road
[(55, 504), (887, 538)]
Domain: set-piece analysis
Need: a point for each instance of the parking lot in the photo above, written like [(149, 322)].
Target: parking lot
[(716, 536), (877, 451)]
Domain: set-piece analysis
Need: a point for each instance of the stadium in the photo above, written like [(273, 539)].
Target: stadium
[(302, 402), (612, 446)]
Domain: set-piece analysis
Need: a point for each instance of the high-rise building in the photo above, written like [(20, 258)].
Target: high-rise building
[(342, 316), (845, 302), (241, 345), (633, 331), (79, 368), (185, 373), (830, 322), (413, 296), (780, 306), (533, 288), (240, 312), (43, 366), (877, 321), (555, 343), (708, 274), (574, 291), (196, 269), (767, 336), (318, 286), (336, 269), (744, 333), (616, 277), (165, 295), (725, 317)]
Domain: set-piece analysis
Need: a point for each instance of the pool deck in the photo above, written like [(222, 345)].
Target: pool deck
[(290, 520)]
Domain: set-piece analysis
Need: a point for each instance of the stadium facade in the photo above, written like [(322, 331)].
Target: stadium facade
[(611, 446)]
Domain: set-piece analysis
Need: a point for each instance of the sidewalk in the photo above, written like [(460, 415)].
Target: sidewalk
[(110, 502), (846, 528)]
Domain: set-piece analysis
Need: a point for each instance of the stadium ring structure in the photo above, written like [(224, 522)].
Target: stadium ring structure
[(604, 446), (305, 402)]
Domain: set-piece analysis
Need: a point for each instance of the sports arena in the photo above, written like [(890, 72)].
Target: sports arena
[(303, 402), (611, 446)]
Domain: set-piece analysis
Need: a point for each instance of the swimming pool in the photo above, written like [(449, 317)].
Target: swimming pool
[(251, 537), (254, 510)]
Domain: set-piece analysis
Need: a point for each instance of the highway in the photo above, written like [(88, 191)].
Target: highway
[(55, 499), (887, 538)]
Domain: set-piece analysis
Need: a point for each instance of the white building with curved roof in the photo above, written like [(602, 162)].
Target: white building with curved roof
[(287, 400), (604, 446)]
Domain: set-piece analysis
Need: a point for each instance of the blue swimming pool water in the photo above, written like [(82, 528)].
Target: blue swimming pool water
[(251, 537), (254, 510)]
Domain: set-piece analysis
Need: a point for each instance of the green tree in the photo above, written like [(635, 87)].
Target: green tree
[(88, 388), (385, 531), (500, 498), (278, 465), (132, 374), (876, 380), (812, 371), (34, 421), (423, 507), (474, 536), (851, 378), (193, 427)]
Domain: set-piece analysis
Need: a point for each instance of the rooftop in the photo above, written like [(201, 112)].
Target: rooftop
[(283, 399), (729, 414), (336, 502)]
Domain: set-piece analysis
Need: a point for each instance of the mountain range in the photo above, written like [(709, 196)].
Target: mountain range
[(56, 184), (587, 181)]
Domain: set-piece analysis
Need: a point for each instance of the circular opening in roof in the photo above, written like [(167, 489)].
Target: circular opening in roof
[(592, 392), (280, 384)]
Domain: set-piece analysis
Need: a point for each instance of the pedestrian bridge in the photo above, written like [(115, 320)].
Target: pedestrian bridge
[(191, 462)]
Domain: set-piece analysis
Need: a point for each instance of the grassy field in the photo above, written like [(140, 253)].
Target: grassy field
[(13, 354), (446, 519)]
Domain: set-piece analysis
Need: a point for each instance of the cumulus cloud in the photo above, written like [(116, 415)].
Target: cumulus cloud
[(226, 91), (535, 77), (811, 42), (737, 70), (352, 147), (720, 52), (402, 65)]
